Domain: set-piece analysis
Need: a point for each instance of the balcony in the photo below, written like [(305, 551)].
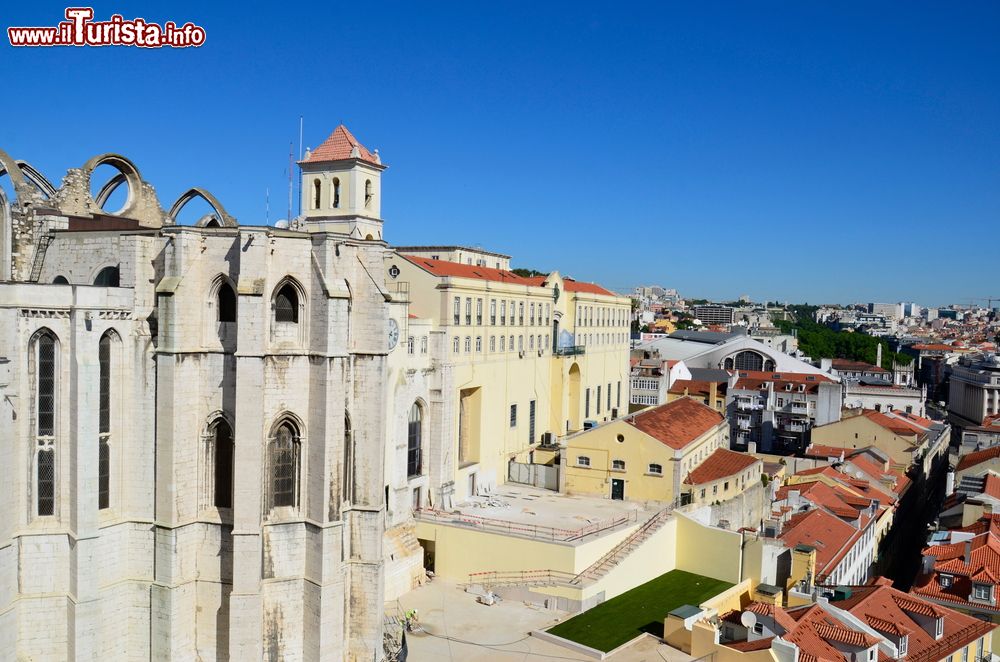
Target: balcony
[(743, 423), (572, 350)]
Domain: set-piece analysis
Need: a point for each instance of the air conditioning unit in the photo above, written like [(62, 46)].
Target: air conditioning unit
[(547, 439), (614, 413)]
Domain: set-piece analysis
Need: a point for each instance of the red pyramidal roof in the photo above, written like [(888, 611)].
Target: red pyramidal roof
[(340, 146)]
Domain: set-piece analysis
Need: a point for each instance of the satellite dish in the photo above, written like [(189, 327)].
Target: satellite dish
[(748, 619)]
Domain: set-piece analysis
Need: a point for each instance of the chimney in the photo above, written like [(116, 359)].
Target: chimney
[(751, 447), (949, 482), (713, 391), (968, 551)]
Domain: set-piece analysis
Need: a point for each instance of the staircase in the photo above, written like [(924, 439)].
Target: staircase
[(619, 552), (36, 264)]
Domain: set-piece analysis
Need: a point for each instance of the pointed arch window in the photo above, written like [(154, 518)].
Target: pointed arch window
[(286, 305), (226, 303), (222, 453), (414, 439), (104, 349), (284, 454), (45, 356)]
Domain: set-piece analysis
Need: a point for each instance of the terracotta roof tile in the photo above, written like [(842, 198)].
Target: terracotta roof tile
[(678, 423), (723, 462), (890, 611), (978, 457), (571, 285), (443, 268), (756, 380), (746, 646), (340, 146)]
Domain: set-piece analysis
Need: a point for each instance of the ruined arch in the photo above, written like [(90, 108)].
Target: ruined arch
[(24, 175), (223, 216), (128, 173)]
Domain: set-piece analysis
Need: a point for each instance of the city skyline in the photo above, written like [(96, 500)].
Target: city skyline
[(799, 138)]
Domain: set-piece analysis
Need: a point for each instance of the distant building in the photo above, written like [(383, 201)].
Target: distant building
[(713, 314), (974, 391)]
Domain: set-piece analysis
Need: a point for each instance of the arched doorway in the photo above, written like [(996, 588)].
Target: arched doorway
[(574, 398)]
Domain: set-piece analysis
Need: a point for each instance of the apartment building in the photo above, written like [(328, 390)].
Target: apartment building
[(776, 411)]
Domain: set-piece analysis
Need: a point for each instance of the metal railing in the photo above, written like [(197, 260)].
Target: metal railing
[(572, 350), (535, 531), (493, 578)]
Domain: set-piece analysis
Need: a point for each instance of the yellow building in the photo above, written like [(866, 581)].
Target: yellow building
[(645, 456), (513, 362), (906, 438)]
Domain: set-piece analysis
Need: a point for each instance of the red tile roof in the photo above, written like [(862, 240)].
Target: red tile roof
[(898, 422), (697, 387), (338, 147), (830, 536), (720, 464), (855, 366), (982, 564), (571, 285), (747, 646), (895, 613), (973, 459), (756, 380), (678, 423), (444, 268)]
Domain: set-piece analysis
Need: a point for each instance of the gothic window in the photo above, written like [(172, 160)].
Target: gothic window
[(104, 351), (336, 192), (222, 452), (286, 304), (45, 416), (226, 302), (316, 189), (413, 441), (284, 452), (108, 277)]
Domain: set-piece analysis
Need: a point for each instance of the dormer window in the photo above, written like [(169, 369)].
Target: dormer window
[(982, 592), (945, 580), (336, 192), (904, 642)]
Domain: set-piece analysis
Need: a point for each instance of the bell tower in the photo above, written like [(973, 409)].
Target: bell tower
[(342, 187)]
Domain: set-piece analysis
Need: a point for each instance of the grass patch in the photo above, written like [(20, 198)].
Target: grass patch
[(643, 609)]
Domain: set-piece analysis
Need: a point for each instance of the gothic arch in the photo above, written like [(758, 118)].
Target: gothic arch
[(10, 167), (223, 216), (28, 175), (127, 172)]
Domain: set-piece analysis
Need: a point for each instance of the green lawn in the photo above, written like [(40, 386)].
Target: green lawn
[(643, 609)]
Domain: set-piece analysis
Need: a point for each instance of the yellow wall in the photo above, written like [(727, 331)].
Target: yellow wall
[(859, 432), (707, 550), (513, 376), (727, 487)]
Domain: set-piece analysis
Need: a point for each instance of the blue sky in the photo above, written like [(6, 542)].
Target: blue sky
[(793, 151)]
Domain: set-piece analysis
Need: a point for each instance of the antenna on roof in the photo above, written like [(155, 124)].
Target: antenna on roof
[(290, 157), (300, 158), (267, 205)]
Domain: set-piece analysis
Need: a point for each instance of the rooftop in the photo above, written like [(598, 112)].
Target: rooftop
[(471, 249), (537, 513), (340, 146), (678, 423), (721, 463)]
